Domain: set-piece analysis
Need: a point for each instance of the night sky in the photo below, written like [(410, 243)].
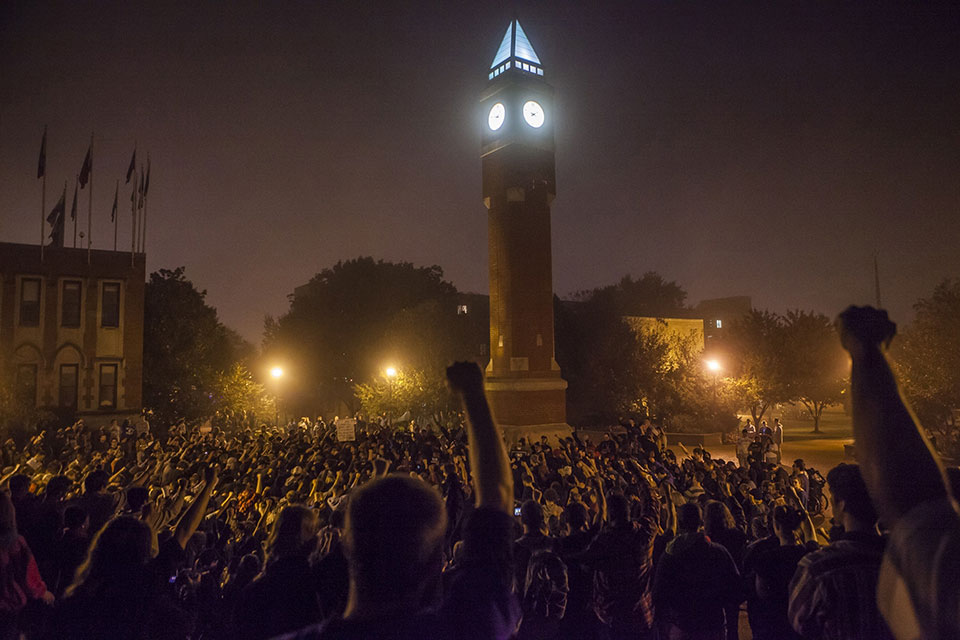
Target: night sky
[(762, 149)]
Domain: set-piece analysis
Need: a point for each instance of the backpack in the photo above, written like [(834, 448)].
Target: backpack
[(546, 587)]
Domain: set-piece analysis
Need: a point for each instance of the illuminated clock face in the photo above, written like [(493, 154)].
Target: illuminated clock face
[(533, 114), (497, 114)]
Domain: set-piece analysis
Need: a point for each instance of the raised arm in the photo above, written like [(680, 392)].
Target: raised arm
[(194, 515), (493, 482), (889, 444)]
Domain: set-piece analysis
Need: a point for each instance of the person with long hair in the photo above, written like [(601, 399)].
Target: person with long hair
[(20, 579), (284, 597), (120, 591)]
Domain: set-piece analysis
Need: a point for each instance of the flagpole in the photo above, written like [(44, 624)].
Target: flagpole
[(133, 216), (43, 207), (116, 216), (75, 185), (90, 204), (42, 162)]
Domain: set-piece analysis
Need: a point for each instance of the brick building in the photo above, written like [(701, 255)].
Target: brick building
[(71, 329)]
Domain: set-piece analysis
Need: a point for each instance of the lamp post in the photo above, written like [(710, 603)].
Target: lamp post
[(714, 366), (390, 373), (277, 373)]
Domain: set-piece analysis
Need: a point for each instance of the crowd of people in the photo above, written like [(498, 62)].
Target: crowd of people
[(247, 532)]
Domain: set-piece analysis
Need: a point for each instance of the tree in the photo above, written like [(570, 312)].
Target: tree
[(185, 347), (650, 296), (603, 360), (422, 393), (757, 348), (816, 364), (616, 369), (238, 392), (353, 319), (927, 357)]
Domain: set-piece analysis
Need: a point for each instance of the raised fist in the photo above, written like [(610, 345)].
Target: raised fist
[(864, 327), (464, 376)]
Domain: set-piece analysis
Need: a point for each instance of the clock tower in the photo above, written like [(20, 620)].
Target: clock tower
[(526, 391)]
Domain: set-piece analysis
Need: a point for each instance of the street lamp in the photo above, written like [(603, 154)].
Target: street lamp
[(714, 365), (277, 373), (391, 373)]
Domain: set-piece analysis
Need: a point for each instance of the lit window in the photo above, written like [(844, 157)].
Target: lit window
[(461, 309), (517, 64), (30, 302), (719, 324), (108, 386), (490, 77), (70, 304), (526, 67), (539, 72), (110, 305)]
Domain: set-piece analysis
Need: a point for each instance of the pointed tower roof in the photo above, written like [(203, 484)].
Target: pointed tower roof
[(515, 52)]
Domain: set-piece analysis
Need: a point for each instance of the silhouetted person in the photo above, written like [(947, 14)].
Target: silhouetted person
[(20, 579), (120, 592), (394, 537), (284, 597), (696, 583), (833, 594), (918, 591)]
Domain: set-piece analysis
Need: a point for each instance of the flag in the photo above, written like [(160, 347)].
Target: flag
[(146, 185), (133, 165), (87, 167), (73, 209), (42, 163), (56, 219), (113, 212), (141, 191)]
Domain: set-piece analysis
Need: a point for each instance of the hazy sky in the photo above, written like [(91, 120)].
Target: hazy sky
[(762, 149)]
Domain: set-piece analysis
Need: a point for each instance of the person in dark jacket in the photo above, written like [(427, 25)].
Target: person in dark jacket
[(696, 583)]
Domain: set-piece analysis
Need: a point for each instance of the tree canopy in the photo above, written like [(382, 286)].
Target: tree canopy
[(185, 348), (927, 357), (359, 316)]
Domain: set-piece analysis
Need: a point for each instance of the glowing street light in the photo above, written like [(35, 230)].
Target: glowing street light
[(391, 372), (714, 366), (277, 373)]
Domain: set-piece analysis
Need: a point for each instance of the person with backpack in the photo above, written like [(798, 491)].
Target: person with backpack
[(544, 597)]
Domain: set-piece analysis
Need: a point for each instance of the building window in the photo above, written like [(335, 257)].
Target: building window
[(461, 309), (108, 386), (719, 324), (68, 385), (30, 302), (110, 305), (70, 310), (27, 384)]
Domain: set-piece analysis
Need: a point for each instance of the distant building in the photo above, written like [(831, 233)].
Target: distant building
[(720, 313), (72, 331)]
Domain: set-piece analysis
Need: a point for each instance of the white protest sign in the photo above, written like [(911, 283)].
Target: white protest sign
[(347, 429)]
